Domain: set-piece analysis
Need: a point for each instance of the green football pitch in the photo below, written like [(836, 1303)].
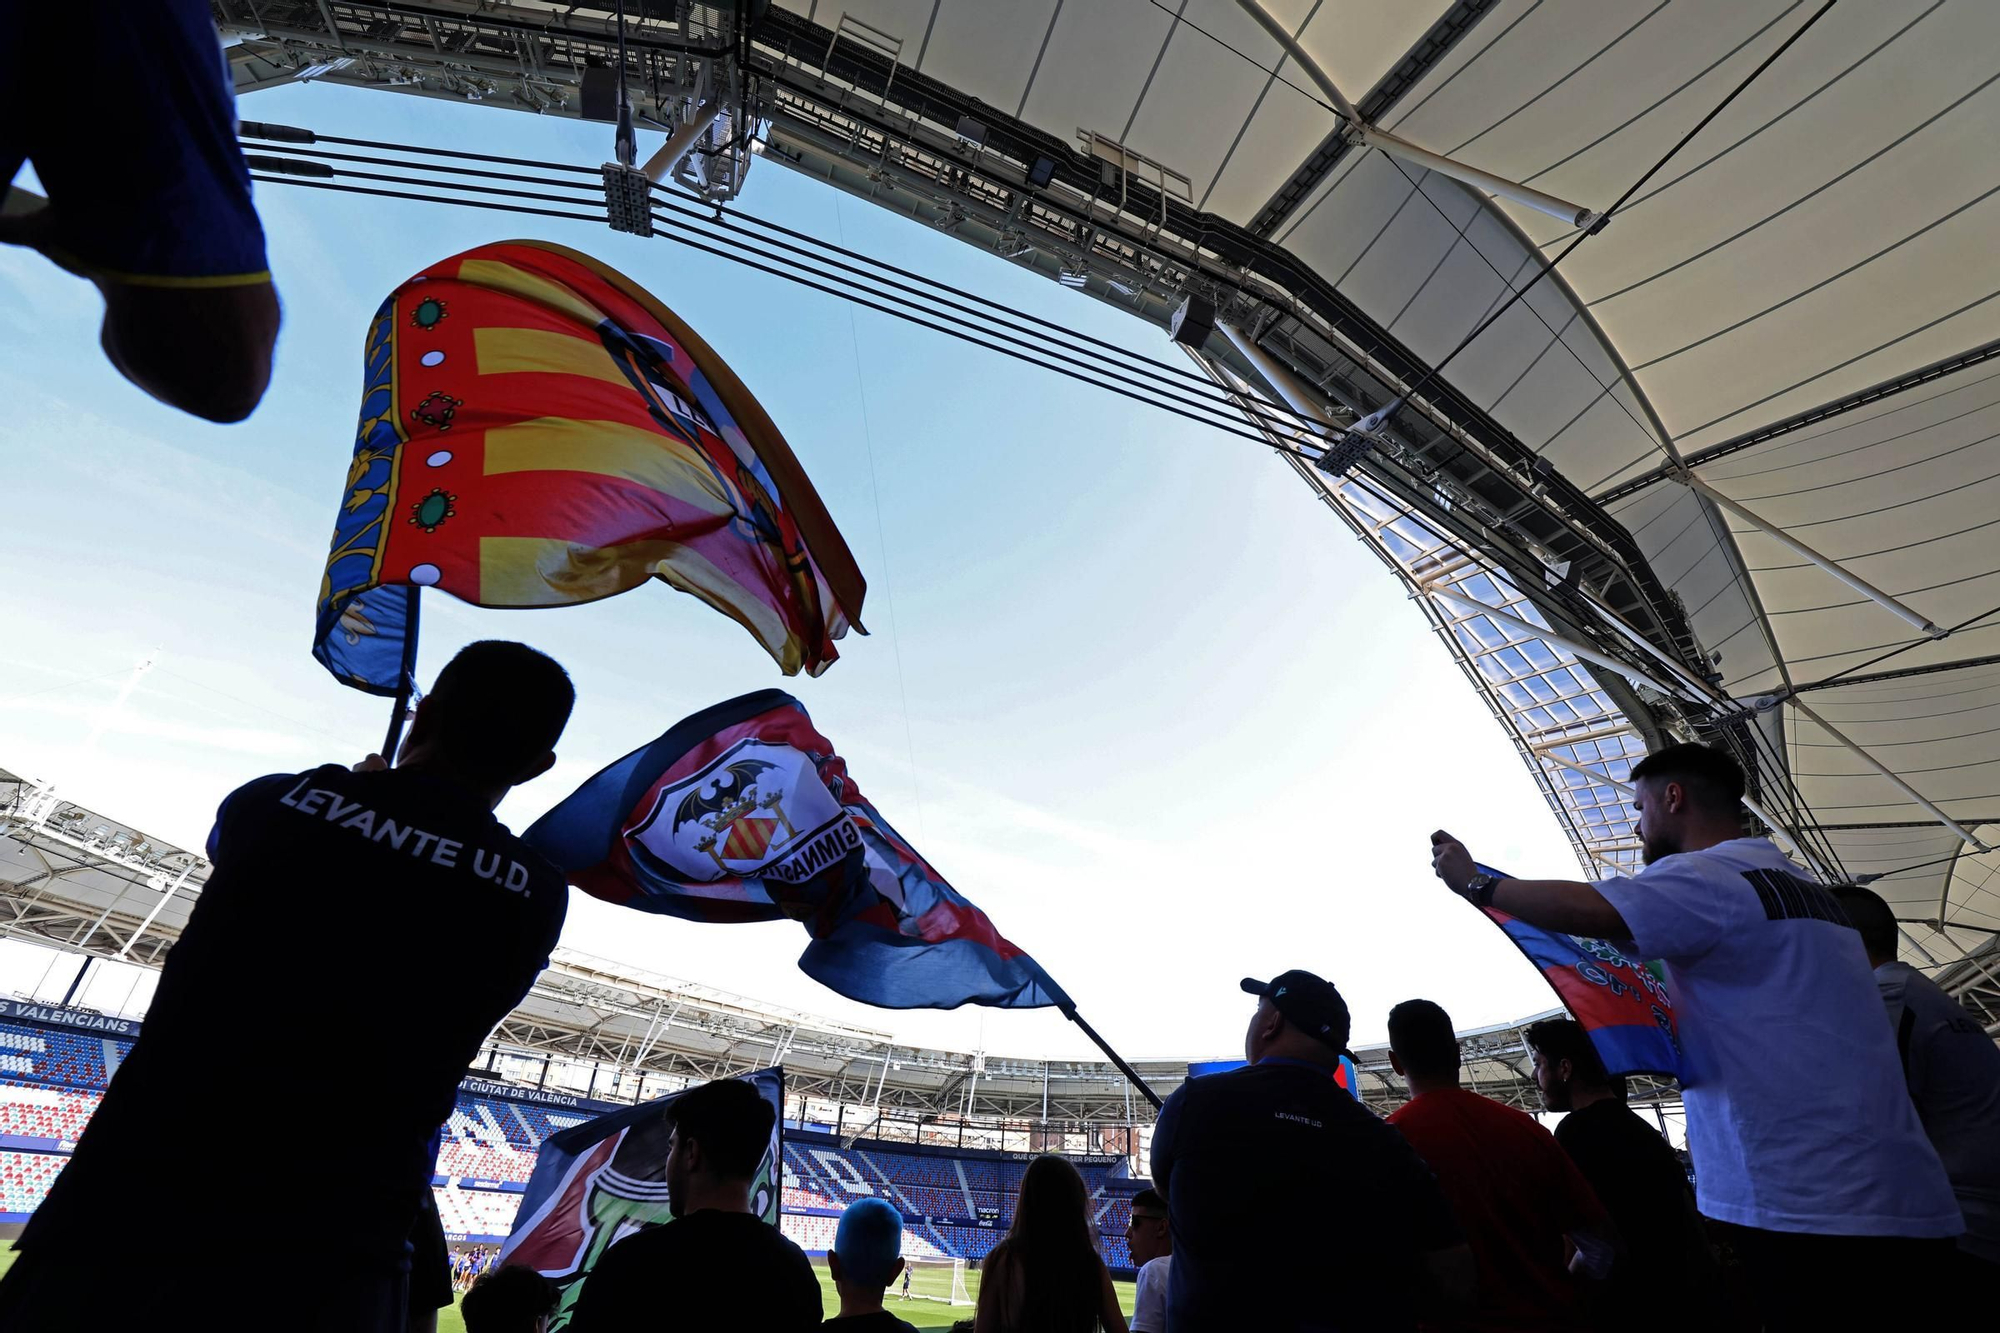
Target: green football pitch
[(927, 1315)]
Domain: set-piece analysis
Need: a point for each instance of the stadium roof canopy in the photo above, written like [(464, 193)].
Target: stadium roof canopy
[(1729, 472)]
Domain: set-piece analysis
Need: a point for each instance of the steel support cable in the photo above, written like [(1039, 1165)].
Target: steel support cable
[(1556, 336), (1041, 360), (1195, 398), (592, 172), (1148, 363), (1197, 386), (427, 198), (1830, 682), (586, 201), (1043, 353), (1549, 266)]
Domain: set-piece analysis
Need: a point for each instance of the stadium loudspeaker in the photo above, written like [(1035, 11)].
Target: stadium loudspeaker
[(600, 93), (1193, 322), (1042, 172)]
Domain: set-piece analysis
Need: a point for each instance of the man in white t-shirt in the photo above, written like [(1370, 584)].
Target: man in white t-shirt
[(1803, 1138), (1151, 1241)]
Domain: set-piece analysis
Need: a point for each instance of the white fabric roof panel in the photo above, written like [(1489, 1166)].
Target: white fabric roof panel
[(1835, 228)]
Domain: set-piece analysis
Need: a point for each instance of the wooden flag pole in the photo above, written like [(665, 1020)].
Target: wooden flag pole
[(405, 685)]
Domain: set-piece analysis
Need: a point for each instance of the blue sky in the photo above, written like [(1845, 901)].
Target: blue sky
[(1130, 686)]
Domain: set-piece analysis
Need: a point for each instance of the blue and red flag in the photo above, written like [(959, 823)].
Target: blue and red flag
[(539, 430), (596, 1183), (743, 812), (1621, 1002)]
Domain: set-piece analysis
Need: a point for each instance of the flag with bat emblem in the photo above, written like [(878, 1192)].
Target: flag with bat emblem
[(743, 812)]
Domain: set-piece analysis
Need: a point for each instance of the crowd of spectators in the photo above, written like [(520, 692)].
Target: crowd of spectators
[(1819, 1201)]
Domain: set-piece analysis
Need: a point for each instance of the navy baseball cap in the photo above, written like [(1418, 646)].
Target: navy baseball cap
[(1309, 1003)]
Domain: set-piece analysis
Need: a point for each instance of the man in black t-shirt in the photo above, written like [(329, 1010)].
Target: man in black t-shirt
[(717, 1264), (1276, 1168), (382, 912), (1664, 1262)]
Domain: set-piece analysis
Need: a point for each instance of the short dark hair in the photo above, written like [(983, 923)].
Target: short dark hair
[(1565, 1039), (1149, 1199), (1711, 777), (508, 1300), (500, 706), (1420, 1034), (1874, 918), (730, 1120)]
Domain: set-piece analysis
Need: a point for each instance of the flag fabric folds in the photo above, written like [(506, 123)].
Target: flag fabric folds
[(596, 1183), (538, 430), (1621, 1002), (743, 812)]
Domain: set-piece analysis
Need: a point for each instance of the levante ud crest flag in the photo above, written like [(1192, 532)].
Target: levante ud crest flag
[(743, 812), (538, 430), (1621, 1002), (596, 1183)]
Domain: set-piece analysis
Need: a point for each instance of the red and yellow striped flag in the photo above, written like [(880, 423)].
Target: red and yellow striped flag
[(538, 430)]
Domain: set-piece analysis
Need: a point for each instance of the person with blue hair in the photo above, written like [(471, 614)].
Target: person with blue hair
[(867, 1255)]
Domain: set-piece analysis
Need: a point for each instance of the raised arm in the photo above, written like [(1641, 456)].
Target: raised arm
[(1569, 906)]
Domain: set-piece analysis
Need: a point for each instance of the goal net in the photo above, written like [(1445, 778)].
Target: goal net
[(936, 1277)]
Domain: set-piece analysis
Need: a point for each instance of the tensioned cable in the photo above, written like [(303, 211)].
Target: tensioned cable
[(1555, 336), (1899, 650), (431, 198), (1197, 394), (1151, 366), (1549, 266), (1041, 358)]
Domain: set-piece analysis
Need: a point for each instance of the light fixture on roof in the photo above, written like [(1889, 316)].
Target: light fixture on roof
[(1192, 321), (1077, 276)]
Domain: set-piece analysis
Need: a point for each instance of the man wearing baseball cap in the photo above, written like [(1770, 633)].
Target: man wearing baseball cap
[(1255, 1164)]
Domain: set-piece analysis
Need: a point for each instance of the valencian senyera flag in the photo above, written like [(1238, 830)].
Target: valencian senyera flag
[(538, 430), (1621, 1002), (743, 812), (596, 1183)]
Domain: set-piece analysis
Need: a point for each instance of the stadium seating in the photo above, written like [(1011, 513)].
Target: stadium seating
[(51, 1083), (828, 1177), (25, 1178), (1114, 1213), (45, 1055), (490, 1139), (476, 1212), (45, 1113), (972, 1242)]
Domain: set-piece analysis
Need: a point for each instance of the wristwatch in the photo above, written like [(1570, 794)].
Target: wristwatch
[(1479, 889)]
